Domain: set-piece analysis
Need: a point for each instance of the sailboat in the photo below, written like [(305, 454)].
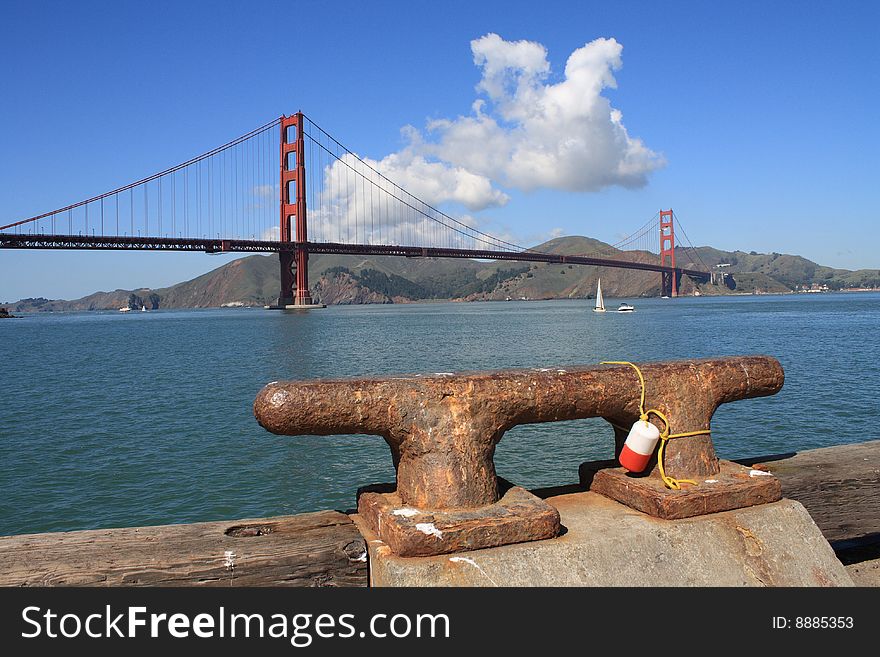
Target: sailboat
[(600, 302)]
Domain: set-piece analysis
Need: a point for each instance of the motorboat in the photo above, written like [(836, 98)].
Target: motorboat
[(124, 309), (625, 308), (600, 302)]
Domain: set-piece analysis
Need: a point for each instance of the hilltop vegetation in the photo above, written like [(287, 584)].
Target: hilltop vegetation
[(336, 279)]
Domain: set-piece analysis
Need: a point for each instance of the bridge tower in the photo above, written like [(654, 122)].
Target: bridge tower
[(294, 289), (668, 281)]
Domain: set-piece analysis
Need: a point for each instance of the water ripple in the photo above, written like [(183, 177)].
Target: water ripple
[(109, 420)]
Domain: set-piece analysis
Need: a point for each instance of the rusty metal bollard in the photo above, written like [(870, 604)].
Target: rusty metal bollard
[(442, 430)]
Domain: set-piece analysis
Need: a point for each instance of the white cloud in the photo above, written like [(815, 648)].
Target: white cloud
[(524, 132), (271, 234), (357, 202), (269, 192), (438, 182), (528, 133)]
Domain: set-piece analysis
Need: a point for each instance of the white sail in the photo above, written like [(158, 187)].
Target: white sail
[(600, 302)]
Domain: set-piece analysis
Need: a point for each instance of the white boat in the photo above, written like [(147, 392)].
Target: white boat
[(626, 308), (124, 309), (600, 302), (143, 309)]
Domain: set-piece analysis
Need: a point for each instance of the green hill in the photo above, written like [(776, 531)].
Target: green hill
[(345, 279)]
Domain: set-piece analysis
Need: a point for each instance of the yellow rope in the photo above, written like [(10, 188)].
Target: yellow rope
[(670, 482)]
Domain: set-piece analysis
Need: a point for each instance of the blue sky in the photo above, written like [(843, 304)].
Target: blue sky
[(764, 114)]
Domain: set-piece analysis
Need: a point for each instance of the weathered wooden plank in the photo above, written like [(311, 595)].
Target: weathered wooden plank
[(839, 486), (865, 573), (312, 549)]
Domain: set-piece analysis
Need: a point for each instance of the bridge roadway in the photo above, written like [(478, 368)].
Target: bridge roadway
[(212, 245)]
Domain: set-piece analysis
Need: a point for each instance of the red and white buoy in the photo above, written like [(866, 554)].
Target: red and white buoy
[(639, 446)]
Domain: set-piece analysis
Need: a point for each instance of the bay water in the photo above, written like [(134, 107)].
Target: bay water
[(112, 419)]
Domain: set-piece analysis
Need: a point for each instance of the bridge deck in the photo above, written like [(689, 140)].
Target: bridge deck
[(212, 245)]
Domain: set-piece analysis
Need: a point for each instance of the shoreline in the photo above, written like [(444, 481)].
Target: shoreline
[(228, 306)]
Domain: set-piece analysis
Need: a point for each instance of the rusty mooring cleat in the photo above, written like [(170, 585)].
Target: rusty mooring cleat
[(442, 430)]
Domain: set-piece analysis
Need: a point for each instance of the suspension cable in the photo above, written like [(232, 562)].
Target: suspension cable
[(148, 179)]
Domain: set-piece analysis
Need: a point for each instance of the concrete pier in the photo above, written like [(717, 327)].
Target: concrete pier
[(606, 543)]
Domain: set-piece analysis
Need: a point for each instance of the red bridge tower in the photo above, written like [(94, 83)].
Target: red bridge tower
[(293, 209), (669, 280)]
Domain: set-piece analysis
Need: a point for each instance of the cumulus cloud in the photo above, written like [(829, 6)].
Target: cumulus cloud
[(528, 133), (271, 234), (437, 182), (525, 131), (390, 201), (268, 192)]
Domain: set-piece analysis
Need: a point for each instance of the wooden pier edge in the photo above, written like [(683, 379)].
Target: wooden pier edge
[(311, 549), (839, 486)]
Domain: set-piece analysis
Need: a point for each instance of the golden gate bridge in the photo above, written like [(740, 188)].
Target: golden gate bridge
[(289, 187)]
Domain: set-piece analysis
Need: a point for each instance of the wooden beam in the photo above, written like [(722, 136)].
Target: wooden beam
[(312, 549), (839, 486)]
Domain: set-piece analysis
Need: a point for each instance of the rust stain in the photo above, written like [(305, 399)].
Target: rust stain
[(753, 544)]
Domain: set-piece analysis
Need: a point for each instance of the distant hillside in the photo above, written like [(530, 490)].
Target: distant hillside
[(336, 279), (779, 271)]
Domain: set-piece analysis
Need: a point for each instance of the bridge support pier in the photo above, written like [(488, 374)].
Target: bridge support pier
[(285, 297), (303, 296), (295, 293), (669, 283)]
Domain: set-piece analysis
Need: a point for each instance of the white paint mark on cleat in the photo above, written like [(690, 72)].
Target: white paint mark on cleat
[(429, 529), (405, 512), (759, 473), (229, 559), (711, 481)]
